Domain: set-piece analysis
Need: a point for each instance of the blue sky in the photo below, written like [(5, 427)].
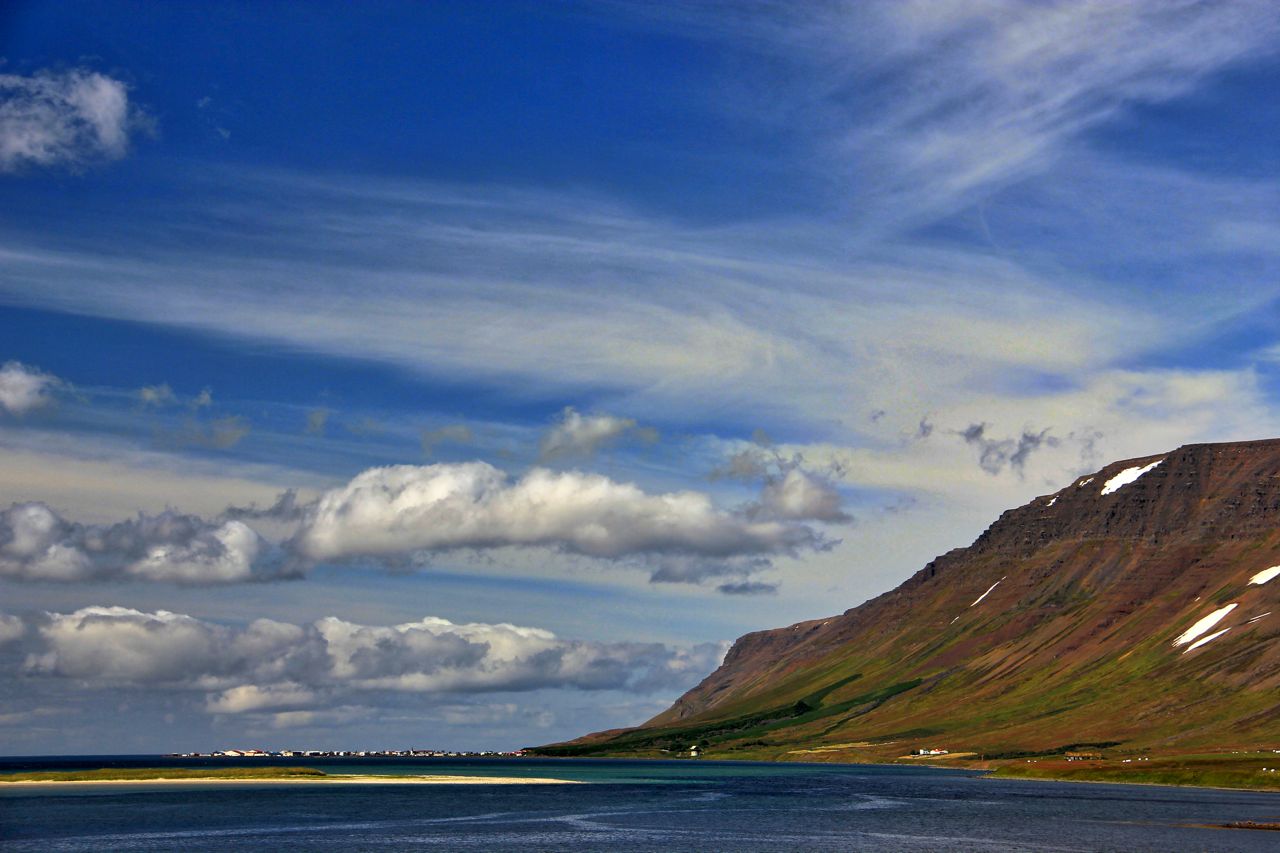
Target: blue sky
[(635, 328)]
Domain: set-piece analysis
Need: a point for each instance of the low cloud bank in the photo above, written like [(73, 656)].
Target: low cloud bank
[(269, 665)]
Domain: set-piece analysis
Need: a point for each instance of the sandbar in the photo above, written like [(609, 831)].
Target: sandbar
[(286, 780)]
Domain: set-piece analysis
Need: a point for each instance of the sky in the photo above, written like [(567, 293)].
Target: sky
[(471, 375)]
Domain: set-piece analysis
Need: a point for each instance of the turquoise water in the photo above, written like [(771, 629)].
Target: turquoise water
[(629, 806)]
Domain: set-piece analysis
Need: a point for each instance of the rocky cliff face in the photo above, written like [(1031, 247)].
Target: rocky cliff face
[(1119, 609)]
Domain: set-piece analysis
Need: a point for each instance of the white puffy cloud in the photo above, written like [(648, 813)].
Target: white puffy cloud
[(583, 435), (24, 388), (250, 697), (36, 543), (394, 511), (117, 644), (800, 495), (275, 666), (64, 118)]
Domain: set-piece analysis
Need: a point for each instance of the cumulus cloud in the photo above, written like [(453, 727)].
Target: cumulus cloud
[(800, 495), (394, 515), (583, 435), (119, 645), (24, 388), (393, 511), (276, 666), (36, 543), (64, 118), (996, 454), (789, 491)]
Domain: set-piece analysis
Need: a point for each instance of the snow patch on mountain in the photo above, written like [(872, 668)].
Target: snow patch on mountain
[(1204, 625), (1125, 477), (1265, 575), (985, 594), (1198, 643)]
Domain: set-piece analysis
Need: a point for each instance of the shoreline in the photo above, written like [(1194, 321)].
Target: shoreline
[(214, 781), (991, 774)]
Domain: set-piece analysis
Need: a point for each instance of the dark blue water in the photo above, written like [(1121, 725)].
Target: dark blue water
[(631, 806)]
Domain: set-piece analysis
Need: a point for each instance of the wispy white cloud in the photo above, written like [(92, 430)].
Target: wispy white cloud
[(924, 106), (65, 118)]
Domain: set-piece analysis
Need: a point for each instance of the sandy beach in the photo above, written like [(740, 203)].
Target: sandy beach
[(299, 780)]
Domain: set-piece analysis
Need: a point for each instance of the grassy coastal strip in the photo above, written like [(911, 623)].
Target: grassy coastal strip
[(142, 774), (1251, 772)]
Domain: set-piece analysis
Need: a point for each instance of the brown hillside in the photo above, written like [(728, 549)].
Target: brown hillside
[(1073, 641)]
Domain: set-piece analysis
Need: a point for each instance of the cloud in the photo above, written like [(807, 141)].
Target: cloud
[(799, 495), (38, 544), (251, 697), (119, 645), (585, 435), (65, 118), (287, 507), (157, 395), (218, 434), (11, 628), (394, 515), (23, 388), (227, 432), (395, 511), (994, 455), (789, 491), (202, 400), (929, 106), (748, 588), (317, 419), (453, 434), (270, 665)]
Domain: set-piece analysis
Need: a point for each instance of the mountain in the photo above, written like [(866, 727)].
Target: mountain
[(1133, 609)]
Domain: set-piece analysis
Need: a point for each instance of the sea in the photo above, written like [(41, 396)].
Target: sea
[(692, 805)]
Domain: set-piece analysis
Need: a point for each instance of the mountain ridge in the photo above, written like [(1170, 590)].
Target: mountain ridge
[(1056, 626)]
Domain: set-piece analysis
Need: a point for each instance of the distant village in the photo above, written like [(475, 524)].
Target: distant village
[(343, 753)]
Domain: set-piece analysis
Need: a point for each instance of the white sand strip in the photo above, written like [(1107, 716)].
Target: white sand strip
[(298, 780)]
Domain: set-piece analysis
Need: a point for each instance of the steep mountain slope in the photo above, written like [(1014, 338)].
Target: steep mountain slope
[(1128, 608)]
